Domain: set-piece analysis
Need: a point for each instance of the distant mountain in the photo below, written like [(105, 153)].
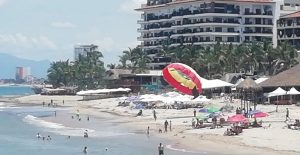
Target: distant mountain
[(9, 63)]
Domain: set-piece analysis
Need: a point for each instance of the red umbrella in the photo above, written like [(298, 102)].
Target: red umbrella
[(260, 114), (237, 118)]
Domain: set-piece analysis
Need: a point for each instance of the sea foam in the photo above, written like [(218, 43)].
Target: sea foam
[(67, 131), (170, 147)]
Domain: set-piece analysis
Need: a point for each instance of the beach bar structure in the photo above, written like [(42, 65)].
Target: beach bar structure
[(103, 93), (286, 80), (248, 91)]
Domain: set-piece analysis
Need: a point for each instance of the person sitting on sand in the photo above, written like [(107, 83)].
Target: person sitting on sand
[(140, 113), (159, 130)]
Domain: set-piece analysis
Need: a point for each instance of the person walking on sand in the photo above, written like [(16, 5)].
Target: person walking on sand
[(170, 125), (154, 115), (287, 114), (160, 149), (195, 112), (166, 125)]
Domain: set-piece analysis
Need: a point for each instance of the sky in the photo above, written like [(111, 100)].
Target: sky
[(49, 29)]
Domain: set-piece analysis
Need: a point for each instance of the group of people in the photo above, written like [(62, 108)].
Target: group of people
[(39, 136)]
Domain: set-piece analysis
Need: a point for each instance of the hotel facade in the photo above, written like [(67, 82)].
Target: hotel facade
[(202, 22)]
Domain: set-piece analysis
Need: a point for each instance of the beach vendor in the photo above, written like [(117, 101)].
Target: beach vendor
[(160, 149)]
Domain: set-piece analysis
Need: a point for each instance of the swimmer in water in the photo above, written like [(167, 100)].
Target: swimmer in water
[(85, 150), (38, 136)]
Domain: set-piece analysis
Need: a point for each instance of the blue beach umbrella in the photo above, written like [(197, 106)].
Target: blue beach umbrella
[(204, 110)]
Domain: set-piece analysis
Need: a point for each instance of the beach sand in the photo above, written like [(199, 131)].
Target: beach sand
[(276, 140)]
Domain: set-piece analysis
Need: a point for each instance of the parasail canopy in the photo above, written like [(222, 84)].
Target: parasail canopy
[(183, 78)]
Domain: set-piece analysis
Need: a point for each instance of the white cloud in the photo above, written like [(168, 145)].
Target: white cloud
[(62, 25), (2, 2), (129, 5), (105, 44), (21, 40)]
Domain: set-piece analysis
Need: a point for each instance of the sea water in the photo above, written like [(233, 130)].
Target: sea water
[(15, 90), (19, 126)]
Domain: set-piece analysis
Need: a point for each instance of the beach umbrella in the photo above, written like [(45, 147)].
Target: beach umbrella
[(260, 115), (254, 112), (237, 118), (215, 114), (213, 109), (204, 110), (202, 117)]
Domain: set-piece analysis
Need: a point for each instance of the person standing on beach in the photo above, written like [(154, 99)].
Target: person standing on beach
[(160, 149), (170, 125), (287, 114), (154, 115), (195, 112), (148, 130), (166, 125), (55, 113)]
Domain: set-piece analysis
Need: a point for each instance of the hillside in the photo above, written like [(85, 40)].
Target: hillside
[(9, 63)]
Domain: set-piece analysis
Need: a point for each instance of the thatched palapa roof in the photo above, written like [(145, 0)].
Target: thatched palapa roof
[(248, 85), (288, 78)]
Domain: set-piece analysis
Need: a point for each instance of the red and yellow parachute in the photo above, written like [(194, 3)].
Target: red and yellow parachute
[(183, 78)]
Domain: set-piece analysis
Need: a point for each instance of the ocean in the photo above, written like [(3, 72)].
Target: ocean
[(20, 125), (15, 90)]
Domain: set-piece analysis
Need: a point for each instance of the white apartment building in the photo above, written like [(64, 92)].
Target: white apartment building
[(183, 22), (83, 50)]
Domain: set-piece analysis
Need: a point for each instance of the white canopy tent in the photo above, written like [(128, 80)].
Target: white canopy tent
[(278, 92), (103, 91), (293, 91), (210, 84)]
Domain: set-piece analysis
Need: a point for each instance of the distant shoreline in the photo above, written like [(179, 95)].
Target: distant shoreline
[(15, 85)]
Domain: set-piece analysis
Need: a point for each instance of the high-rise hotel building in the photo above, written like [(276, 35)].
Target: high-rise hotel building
[(200, 22)]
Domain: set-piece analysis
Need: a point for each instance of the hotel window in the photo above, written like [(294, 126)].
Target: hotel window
[(230, 39), (218, 29)]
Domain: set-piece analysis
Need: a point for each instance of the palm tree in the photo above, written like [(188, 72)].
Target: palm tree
[(139, 60), (111, 66)]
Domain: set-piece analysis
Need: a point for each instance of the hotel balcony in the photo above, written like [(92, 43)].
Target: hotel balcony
[(186, 13)]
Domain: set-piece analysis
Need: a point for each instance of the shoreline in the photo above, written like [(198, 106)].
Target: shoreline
[(183, 137)]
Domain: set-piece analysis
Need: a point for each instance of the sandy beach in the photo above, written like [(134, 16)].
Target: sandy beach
[(274, 140)]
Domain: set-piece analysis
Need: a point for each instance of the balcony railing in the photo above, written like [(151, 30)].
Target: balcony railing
[(185, 12)]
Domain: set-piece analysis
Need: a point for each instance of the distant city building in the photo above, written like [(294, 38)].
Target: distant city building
[(83, 50), (22, 73)]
